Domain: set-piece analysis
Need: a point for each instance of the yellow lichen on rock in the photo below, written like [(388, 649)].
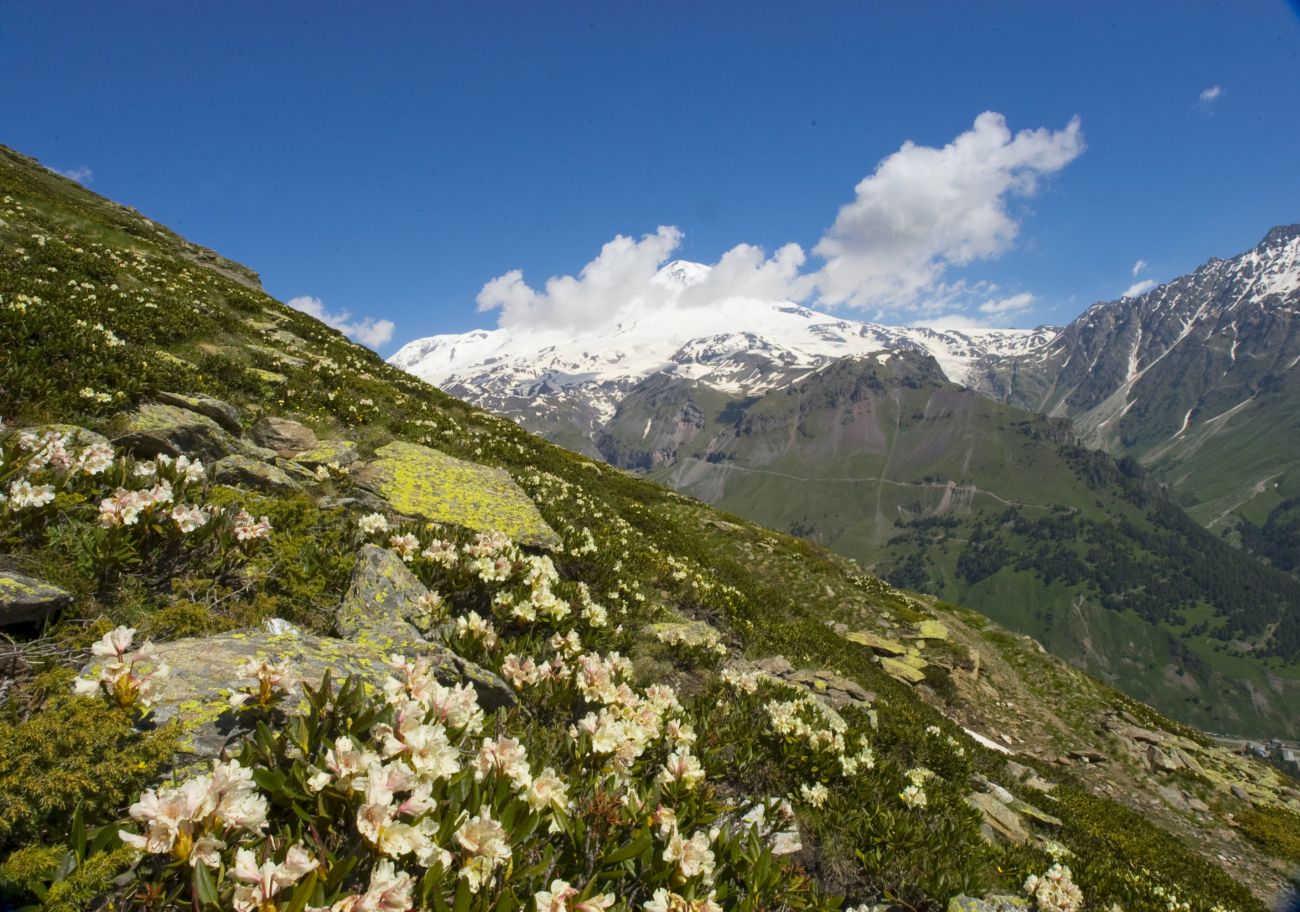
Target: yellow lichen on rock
[(421, 481)]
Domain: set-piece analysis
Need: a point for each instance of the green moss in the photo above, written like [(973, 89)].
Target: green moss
[(1274, 829), (75, 752)]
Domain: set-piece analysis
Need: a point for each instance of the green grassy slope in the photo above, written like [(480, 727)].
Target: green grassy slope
[(101, 310), (943, 490)]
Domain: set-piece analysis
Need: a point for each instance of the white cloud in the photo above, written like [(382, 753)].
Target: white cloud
[(1139, 266), (619, 277), (81, 174), (368, 331), (1211, 95), (745, 271), (1138, 288), (925, 209), (1005, 306)]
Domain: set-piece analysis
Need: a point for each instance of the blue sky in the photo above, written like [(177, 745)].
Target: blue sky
[(389, 160)]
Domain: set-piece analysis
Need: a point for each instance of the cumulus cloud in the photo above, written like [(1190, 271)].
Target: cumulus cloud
[(81, 174), (1015, 303), (921, 212), (925, 209), (1139, 266), (368, 331), (1211, 95), (1138, 288), (621, 276)]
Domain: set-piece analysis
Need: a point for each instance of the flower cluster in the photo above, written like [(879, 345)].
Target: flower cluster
[(123, 679), (39, 466), (192, 821), (1054, 890)]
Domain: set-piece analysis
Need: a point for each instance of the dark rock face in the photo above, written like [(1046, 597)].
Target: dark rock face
[(283, 435), (25, 600), (246, 472), (222, 413), (156, 428)]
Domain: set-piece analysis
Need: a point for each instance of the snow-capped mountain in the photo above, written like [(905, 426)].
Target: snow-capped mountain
[(549, 379), (1197, 378)]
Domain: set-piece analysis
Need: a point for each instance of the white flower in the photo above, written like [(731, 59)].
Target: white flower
[(556, 899), (188, 519), (23, 494), (262, 882), (372, 524), (693, 856), (547, 790), (404, 545), (246, 529), (815, 794), (914, 796), (1055, 890), (484, 843), (682, 766)]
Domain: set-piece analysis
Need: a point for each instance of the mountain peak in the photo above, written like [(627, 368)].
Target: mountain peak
[(1280, 234), (681, 274)]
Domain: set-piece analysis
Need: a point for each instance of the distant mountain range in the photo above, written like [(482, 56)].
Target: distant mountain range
[(567, 384), (944, 459)]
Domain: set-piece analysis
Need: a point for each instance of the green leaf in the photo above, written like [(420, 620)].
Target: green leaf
[(204, 886), (78, 833), (631, 850), (463, 897), (302, 893)]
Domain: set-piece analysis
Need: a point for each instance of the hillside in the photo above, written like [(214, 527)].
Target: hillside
[(566, 687), (942, 490), (1196, 379)]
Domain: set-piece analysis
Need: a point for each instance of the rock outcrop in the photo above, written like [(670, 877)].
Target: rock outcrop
[(157, 428), (424, 482), (25, 600), (247, 472), (283, 435)]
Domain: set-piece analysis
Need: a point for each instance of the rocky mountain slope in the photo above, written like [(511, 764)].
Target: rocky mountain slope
[(943, 490), (286, 627), (1197, 379)]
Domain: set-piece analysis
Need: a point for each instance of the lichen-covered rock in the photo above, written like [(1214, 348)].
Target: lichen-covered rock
[(836, 689), (25, 600), (876, 643), (291, 468), (420, 481), (931, 630), (1000, 903), (223, 413), (267, 376), (383, 601), (283, 435), (902, 670), (381, 609), (156, 428), (205, 672), (246, 472), (341, 453), (356, 499), (1000, 822)]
